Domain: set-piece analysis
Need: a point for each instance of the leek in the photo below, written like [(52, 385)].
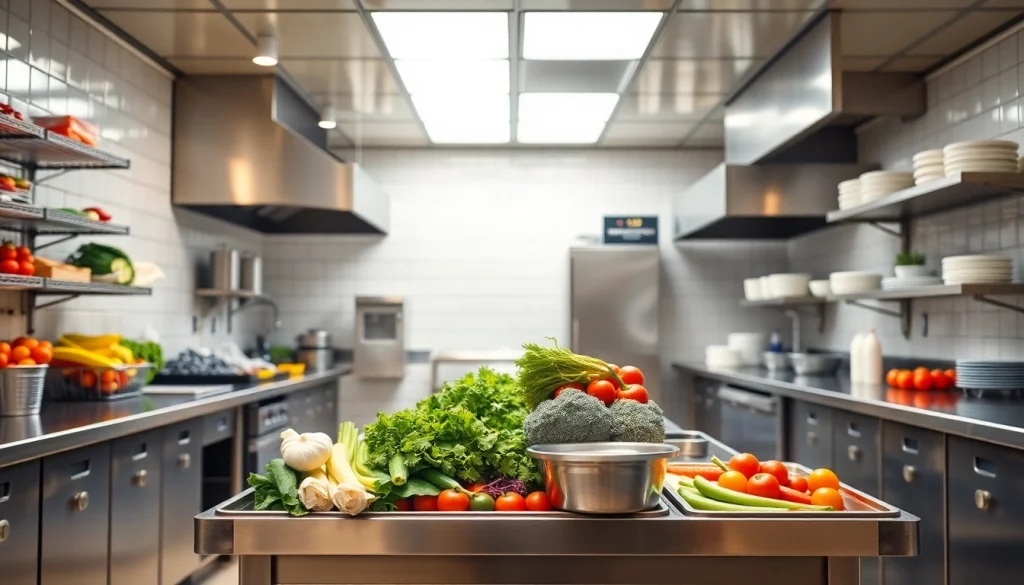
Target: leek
[(349, 495)]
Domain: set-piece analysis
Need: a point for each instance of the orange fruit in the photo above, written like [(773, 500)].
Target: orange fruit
[(30, 343), (42, 355), (46, 344), (5, 348), (905, 380), (733, 480), (922, 379), (27, 362), (827, 496), (19, 341), (19, 353), (822, 478), (891, 378)]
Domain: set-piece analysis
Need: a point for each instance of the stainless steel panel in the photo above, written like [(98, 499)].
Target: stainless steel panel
[(986, 512), (729, 34), (855, 459), (751, 422), (810, 434), (181, 498), (707, 407), (913, 479), (135, 480), (251, 273), (692, 76), (379, 345), (305, 35), (76, 507), (614, 307), (19, 523), (224, 270), (183, 34), (218, 427)]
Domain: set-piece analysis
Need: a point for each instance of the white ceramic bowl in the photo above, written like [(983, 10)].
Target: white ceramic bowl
[(789, 284), (912, 271), (721, 356), (853, 282), (748, 347), (752, 289), (820, 288)]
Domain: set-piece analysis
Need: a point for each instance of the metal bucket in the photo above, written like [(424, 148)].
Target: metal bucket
[(21, 390)]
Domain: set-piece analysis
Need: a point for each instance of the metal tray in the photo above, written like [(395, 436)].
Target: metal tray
[(692, 444), (241, 506), (858, 504)]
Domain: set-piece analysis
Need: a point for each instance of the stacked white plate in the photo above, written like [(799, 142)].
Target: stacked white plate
[(853, 282), (977, 269), (877, 184), (928, 166), (980, 156), (895, 283), (849, 194), (989, 375)]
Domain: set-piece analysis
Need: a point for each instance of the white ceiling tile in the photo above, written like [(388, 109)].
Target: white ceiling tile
[(868, 34), (184, 34), (638, 107), (672, 76), (695, 35), (750, 5), (972, 27), (313, 34), (706, 136), (289, 4), (640, 134), (355, 76), (369, 108), (384, 133), (201, 66), (901, 5), (153, 4), (913, 64)]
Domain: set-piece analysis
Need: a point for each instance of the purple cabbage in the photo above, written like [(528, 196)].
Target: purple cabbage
[(503, 485)]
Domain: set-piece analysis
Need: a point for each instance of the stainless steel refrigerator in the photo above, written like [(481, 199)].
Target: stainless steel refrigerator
[(614, 307)]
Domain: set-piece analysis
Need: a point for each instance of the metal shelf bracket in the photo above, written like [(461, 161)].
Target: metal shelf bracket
[(903, 314), (997, 303), (57, 301), (57, 241)]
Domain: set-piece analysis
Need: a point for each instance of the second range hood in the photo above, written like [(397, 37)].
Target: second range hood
[(234, 160)]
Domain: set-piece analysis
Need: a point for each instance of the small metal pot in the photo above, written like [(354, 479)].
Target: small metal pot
[(814, 364), (314, 339), (775, 361), (21, 390), (604, 478)]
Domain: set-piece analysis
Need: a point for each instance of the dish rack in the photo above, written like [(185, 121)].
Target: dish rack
[(96, 384)]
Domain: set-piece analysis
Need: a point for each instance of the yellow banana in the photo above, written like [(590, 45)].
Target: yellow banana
[(93, 341), (81, 356), (64, 341), (122, 353)]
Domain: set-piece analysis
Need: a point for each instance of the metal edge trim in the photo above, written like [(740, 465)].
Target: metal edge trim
[(119, 36)]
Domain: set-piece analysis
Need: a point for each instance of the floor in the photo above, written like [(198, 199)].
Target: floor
[(225, 573)]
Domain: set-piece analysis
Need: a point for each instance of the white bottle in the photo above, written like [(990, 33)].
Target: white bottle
[(857, 357), (871, 359)]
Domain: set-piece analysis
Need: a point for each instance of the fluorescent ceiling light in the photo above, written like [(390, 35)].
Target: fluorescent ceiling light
[(566, 108), (266, 51), (578, 132), (588, 36), (465, 131), (444, 35), (455, 77), (443, 106)]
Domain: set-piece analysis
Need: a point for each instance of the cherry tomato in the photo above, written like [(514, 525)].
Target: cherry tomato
[(570, 385), (951, 374), (891, 378), (827, 496), (538, 502), (42, 355), (634, 392), (107, 376), (631, 375), (746, 464), (820, 478), (9, 266), (777, 469), (8, 251), (616, 370), (733, 480), (603, 390), (3, 360), (403, 505), (764, 485), (922, 379), (20, 353), (452, 501), (510, 502), (905, 380), (26, 268), (88, 380), (24, 253), (5, 347), (424, 503), (939, 380), (798, 483)]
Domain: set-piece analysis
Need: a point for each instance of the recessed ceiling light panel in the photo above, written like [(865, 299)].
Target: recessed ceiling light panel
[(444, 35), (467, 132), (529, 132), (456, 77), (567, 107), (588, 36)]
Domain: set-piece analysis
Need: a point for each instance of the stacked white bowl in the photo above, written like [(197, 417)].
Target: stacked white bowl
[(854, 282), (721, 356), (748, 346), (788, 285), (849, 194), (977, 269), (928, 166), (877, 184), (980, 156), (752, 289)]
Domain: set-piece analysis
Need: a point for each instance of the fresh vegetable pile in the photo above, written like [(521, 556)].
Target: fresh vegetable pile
[(747, 485), (98, 362), (25, 351), (108, 264)]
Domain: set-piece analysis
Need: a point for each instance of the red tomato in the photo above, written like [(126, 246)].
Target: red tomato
[(939, 380), (8, 251), (27, 362), (24, 253), (9, 266), (538, 502), (5, 347), (905, 380), (951, 374), (922, 379), (827, 496), (634, 392), (20, 353), (603, 390), (613, 380), (26, 268), (510, 502), (891, 378), (474, 487), (403, 505), (452, 501), (3, 360), (42, 355), (764, 485), (733, 480), (19, 341), (570, 385), (631, 375), (424, 503), (777, 469), (798, 483), (746, 464)]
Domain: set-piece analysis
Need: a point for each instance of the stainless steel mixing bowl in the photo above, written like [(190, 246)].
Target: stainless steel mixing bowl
[(814, 364), (604, 478), (775, 361)]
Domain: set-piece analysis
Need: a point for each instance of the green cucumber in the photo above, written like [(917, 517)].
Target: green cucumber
[(396, 467), (439, 479), (699, 502), (714, 491)]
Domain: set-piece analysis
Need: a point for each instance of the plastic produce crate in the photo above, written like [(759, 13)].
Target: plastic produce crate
[(85, 383)]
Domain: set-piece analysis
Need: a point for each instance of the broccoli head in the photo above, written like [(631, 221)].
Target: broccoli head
[(572, 417), (634, 422)]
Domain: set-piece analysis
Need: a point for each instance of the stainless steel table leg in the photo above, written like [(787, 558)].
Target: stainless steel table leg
[(843, 570), (254, 570)]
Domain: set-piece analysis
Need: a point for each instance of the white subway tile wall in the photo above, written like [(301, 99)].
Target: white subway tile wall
[(978, 99), (55, 64)]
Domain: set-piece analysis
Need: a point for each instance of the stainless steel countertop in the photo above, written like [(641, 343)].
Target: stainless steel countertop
[(992, 419), (67, 425)]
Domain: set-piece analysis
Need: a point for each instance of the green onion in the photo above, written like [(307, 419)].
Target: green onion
[(542, 370)]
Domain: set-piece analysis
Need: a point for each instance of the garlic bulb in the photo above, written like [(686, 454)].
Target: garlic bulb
[(305, 452), (315, 491)]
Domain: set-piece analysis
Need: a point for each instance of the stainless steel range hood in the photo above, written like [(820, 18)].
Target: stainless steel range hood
[(234, 160)]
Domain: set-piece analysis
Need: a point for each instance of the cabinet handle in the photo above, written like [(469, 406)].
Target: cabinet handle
[(909, 473), (81, 501), (184, 461), (5, 530), (853, 452), (812, 438), (982, 499), (140, 479)]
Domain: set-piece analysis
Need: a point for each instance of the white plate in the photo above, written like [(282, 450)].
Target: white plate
[(927, 154), (979, 158), (980, 144), (972, 257), (979, 167)]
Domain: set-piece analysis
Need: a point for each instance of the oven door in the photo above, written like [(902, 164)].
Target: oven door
[(261, 451), (750, 422)]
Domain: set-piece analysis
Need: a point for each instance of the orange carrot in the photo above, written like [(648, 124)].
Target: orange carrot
[(791, 495), (709, 472)]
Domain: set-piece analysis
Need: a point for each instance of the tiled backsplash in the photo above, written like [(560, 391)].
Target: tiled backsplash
[(977, 99), (57, 63)]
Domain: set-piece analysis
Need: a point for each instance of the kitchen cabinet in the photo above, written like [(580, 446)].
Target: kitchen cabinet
[(810, 434), (218, 427), (984, 483), (913, 474), (181, 498), (855, 459), (19, 523), (76, 517), (707, 409), (135, 509)]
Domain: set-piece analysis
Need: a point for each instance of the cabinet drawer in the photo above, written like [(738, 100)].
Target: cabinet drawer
[(986, 512), (135, 475), (810, 435), (218, 426), (913, 474), (181, 498), (19, 523), (855, 450), (76, 507)]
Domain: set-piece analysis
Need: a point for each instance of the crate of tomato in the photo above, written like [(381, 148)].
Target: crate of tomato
[(16, 260), (73, 383)]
